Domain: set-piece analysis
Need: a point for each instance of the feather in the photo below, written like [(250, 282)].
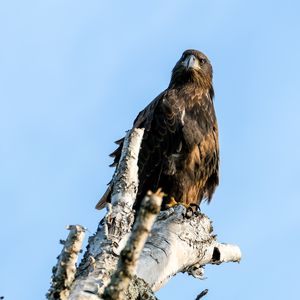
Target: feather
[(179, 151)]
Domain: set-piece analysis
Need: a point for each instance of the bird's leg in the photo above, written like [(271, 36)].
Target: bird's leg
[(171, 202), (191, 208)]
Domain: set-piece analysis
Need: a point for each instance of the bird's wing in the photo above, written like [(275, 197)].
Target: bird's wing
[(159, 119), (161, 139), (201, 135)]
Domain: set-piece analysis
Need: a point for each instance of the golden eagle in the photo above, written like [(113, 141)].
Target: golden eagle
[(180, 150)]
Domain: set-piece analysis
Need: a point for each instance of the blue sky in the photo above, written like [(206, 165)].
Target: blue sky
[(74, 74)]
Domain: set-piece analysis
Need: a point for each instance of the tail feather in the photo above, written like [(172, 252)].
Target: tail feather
[(104, 199)]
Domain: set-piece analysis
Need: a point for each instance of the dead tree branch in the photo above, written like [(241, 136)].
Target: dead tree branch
[(101, 257), (181, 244), (202, 294), (65, 269), (127, 265), (177, 242)]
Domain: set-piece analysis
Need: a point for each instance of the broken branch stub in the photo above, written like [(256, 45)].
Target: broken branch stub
[(65, 269)]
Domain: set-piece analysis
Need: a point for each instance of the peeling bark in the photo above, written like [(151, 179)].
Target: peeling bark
[(101, 257), (65, 269), (178, 242), (129, 256), (181, 244)]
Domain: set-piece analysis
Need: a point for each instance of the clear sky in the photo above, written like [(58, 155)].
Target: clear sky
[(74, 74)]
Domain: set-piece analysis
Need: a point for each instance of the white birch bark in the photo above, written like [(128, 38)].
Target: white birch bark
[(129, 256), (65, 269), (101, 258), (181, 244), (177, 242)]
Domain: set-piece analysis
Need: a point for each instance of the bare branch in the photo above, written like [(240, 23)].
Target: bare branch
[(202, 294), (65, 269), (101, 257), (180, 244), (129, 256)]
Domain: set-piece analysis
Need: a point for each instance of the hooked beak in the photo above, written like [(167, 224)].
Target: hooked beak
[(191, 62)]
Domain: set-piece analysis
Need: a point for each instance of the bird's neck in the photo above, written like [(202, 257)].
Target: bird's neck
[(190, 83), (192, 87)]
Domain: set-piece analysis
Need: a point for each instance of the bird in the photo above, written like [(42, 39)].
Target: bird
[(179, 152)]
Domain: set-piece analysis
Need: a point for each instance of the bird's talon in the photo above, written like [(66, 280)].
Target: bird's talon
[(172, 202)]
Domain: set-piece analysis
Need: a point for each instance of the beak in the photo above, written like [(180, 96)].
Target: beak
[(191, 62)]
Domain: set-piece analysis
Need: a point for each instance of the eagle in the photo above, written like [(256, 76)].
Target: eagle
[(179, 151)]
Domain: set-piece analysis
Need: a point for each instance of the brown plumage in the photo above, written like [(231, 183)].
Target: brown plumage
[(180, 150)]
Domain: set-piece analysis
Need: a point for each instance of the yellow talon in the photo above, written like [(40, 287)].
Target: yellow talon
[(186, 205), (172, 202)]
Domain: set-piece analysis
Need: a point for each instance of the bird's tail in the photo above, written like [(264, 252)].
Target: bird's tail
[(104, 199)]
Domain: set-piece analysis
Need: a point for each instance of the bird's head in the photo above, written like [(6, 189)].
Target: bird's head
[(192, 67)]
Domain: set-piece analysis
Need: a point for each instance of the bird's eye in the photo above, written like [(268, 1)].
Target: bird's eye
[(202, 61)]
